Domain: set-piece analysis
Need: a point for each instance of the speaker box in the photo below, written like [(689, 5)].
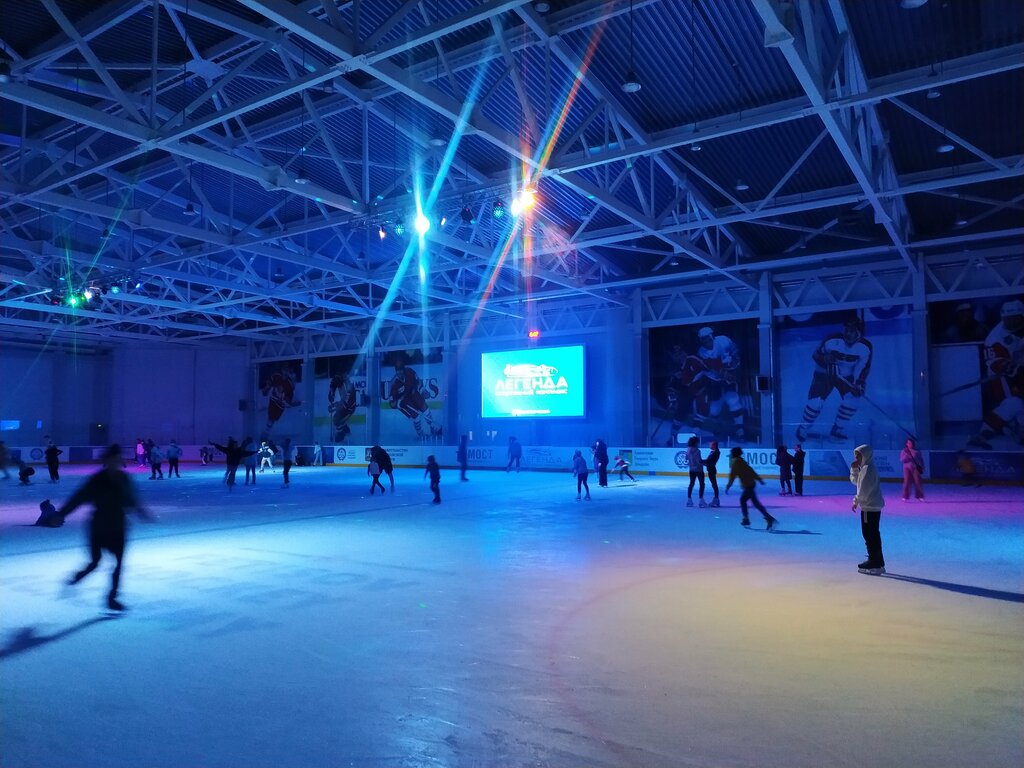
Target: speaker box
[(763, 383)]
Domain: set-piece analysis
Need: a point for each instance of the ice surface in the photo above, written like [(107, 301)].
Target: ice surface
[(512, 625)]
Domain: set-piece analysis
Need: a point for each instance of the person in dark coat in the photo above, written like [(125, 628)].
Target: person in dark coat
[(434, 470), (387, 467), (515, 454), (785, 464), (110, 491), (233, 455), (601, 458), (462, 456), (799, 457), (52, 454), (711, 465)]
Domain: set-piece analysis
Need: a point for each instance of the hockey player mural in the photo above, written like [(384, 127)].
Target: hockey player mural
[(842, 363), (700, 377), (342, 399), (278, 382), (845, 376), (413, 391), (1004, 379)]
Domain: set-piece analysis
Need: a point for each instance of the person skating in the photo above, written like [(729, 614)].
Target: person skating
[(156, 461), (785, 464), (462, 456), (233, 455), (140, 452), (601, 459), (266, 454), (696, 465), (4, 458), (581, 471), (711, 466), (515, 454), (799, 457), (913, 466), (373, 470), (173, 457), (387, 467), (318, 454), (741, 470), (864, 476), (52, 454), (288, 455), (434, 471), (622, 467), (110, 491), (250, 462)]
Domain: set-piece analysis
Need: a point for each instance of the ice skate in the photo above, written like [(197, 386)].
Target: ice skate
[(578, 497), (745, 522), (771, 523), (689, 502), (703, 504), (114, 604), (715, 502), (871, 569), (837, 433)]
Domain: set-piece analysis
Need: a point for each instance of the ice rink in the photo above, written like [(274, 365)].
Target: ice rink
[(513, 626)]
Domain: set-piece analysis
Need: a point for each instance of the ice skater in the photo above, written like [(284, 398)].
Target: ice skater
[(233, 456), (741, 470), (173, 457), (373, 470), (110, 491), (462, 456), (24, 473), (318, 454), (696, 465), (864, 476), (515, 454), (434, 471), (250, 461), (785, 464), (622, 467), (4, 458), (913, 466), (387, 466), (52, 454), (799, 457), (711, 466), (288, 456), (140, 452), (266, 454), (601, 459), (580, 470), (156, 461)]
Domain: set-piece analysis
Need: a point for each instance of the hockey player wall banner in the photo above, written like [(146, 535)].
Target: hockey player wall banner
[(412, 390), (701, 382), (280, 391), (342, 399), (977, 364), (847, 378)]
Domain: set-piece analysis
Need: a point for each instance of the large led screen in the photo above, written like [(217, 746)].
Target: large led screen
[(545, 382)]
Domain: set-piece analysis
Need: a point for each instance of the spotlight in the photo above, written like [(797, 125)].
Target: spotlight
[(630, 84), (301, 179), (741, 186), (190, 210), (115, 289), (444, 220), (422, 224), (72, 300), (524, 200), (498, 209), (87, 295), (381, 233), (467, 215), (399, 228), (138, 285), (696, 147)]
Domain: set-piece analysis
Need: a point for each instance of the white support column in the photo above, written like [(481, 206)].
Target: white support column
[(920, 356)]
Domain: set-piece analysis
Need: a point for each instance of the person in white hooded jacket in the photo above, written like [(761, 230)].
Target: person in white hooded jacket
[(864, 476)]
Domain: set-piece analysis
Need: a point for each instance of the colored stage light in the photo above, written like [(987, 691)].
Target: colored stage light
[(534, 334), (87, 295), (115, 289), (498, 209), (467, 215), (73, 300), (399, 228)]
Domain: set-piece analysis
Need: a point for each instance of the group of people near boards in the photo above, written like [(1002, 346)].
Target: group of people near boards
[(111, 493)]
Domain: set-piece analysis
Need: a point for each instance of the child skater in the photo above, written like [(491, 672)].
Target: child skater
[(109, 491), (799, 457), (864, 476), (785, 464), (696, 464), (711, 464), (580, 469), (435, 478), (623, 467), (373, 470), (748, 482)]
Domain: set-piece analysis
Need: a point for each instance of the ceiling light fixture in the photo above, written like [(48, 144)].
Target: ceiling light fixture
[(190, 210), (944, 148), (696, 147), (631, 84), (909, 5), (934, 93), (422, 224), (741, 186), (381, 233), (541, 7), (467, 215), (498, 210)]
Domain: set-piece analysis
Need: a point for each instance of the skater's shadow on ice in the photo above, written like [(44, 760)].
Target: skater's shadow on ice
[(963, 589), (804, 532), (25, 638)]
